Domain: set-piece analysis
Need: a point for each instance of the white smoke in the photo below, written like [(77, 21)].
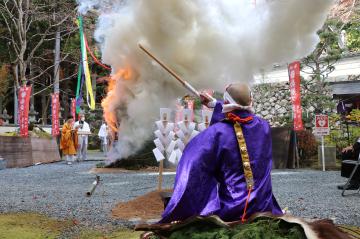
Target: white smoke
[(208, 42)]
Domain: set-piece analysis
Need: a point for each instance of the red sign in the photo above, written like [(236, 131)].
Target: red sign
[(322, 121), (24, 100), (294, 84), (321, 125), (73, 108), (55, 107)]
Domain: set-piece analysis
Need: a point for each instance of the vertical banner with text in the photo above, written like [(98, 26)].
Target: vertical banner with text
[(55, 107), (73, 108), (294, 84), (24, 101)]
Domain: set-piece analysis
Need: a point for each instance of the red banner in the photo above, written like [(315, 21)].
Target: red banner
[(24, 100), (73, 108), (294, 77), (55, 107)]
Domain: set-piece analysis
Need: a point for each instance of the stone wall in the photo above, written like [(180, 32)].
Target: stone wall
[(272, 102)]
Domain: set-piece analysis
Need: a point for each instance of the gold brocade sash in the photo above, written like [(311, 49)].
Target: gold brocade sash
[(244, 156)]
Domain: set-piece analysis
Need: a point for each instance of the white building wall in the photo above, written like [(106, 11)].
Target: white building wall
[(343, 69)]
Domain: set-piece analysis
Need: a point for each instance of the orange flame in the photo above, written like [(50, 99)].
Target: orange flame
[(109, 110), (125, 74)]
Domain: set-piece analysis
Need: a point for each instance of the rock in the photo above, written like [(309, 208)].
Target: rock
[(282, 111), (284, 102)]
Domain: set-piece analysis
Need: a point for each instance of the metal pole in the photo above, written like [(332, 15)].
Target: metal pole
[(323, 152)]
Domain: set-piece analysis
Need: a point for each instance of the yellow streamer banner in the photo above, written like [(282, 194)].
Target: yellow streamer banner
[(87, 77)]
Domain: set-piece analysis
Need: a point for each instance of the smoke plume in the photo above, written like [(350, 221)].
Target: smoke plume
[(210, 43)]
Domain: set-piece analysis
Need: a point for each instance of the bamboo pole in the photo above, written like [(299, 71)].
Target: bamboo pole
[(161, 169)]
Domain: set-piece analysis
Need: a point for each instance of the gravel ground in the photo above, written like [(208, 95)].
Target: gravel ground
[(58, 190)]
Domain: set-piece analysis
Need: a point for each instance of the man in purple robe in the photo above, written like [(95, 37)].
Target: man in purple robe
[(217, 175)]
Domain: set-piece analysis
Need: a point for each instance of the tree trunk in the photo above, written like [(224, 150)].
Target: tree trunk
[(16, 87), (57, 63), (66, 105), (1, 104), (44, 107)]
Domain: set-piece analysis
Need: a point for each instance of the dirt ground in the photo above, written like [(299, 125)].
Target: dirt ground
[(145, 207)]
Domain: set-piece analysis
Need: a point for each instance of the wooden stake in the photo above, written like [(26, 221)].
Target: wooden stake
[(161, 169)]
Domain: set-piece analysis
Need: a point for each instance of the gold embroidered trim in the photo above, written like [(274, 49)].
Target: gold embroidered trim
[(244, 156)]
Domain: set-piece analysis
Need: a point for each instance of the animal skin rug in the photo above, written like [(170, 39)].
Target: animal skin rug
[(321, 229)]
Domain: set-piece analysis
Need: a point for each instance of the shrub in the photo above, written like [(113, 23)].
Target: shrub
[(307, 145)]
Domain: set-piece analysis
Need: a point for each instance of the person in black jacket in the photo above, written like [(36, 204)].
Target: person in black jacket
[(351, 153)]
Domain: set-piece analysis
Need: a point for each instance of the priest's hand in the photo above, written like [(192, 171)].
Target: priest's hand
[(207, 100)]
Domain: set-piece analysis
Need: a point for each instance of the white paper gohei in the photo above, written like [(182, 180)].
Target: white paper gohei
[(172, 158), (159, 145), (206, 116), (180, 144), (193, 134), (164, 129), (178, 154), (170, 136), (165, 112), (171, 147), (160, 136), (158, 155), (201, 127), (181, 135)]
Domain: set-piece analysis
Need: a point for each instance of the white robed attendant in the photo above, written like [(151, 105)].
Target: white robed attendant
[(103, 135), (83, 132)]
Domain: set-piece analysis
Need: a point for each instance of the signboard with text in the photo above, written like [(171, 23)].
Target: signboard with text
[(24, 101), (321, 125), (55, 107)]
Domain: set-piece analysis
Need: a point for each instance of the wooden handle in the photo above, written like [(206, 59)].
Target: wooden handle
[(162, 64)]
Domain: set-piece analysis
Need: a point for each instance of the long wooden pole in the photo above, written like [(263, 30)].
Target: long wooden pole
[(183, 82), (161, 169)]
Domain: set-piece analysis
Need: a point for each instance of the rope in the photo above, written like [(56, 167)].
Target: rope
[(94, 57), (243, 219)]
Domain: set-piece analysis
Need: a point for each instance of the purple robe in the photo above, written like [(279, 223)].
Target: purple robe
[(217, 114), (210, 177)]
